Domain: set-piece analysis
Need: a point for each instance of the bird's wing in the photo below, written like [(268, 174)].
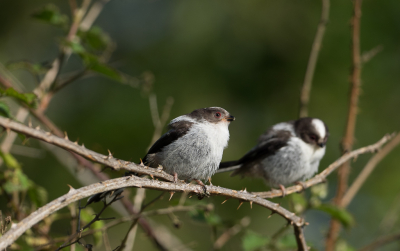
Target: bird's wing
[(268, 144), (176, 130)]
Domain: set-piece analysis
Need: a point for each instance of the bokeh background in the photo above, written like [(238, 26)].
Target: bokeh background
[(248, 57)]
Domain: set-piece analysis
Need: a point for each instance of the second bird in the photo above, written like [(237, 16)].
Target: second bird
[(287, 153)]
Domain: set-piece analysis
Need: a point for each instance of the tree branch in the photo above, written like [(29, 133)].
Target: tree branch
[(134, 181), (312, 61), (381, 241), (348, 140), (319, 178), (369, 167)]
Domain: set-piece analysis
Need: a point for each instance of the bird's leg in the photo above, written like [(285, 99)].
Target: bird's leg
[(175, 177), (283, 190), (301, 184), (204, 189), (209, 181)]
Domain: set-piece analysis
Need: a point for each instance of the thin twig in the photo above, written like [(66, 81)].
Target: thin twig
[(348, 139), (159, 122), (312, 61), (229, 233), (320, 178), (381, 242), (369, 167)]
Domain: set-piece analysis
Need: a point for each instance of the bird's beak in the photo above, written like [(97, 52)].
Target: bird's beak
[(321, 144), (229, 118)]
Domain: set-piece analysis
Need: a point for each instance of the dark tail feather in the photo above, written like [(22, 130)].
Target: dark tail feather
[(228, 164)]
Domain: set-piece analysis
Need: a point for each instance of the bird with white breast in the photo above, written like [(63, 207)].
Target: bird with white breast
[(287, 153), (192, 148)]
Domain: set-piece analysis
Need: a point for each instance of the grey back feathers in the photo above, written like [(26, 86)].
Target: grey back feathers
[(287, 152), (193, 145)]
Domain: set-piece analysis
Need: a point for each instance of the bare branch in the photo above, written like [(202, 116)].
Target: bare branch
[(319, 178), (369, 167), (312, 61), (348, 139), (381, 242), (220, 242)]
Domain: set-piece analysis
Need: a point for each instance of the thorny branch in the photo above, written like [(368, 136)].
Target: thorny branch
[(312, 61), (134, 181), (321, 177), (348, 140), (117, 164)]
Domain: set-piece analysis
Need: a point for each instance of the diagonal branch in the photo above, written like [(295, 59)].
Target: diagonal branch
[(319, 178), (369, 167), (312, 61)]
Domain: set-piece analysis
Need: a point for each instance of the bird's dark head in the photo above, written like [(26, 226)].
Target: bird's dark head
[(312, 131), (212, 115)]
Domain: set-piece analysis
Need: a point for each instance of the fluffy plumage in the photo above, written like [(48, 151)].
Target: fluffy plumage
[(286, 153), (193, 146)]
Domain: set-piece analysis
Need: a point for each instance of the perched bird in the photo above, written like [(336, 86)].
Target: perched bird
[(191, 149), (193, 146), (286, 153)]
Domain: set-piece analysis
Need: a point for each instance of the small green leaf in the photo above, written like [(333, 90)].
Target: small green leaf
[(4, 110), (287, 242), (253, 241), (27, 98), (95, 38), (51, 14), (10, 161), (94, 64), (340, 214), (38, 195), (299, 202), (98, 236), (206, 217)]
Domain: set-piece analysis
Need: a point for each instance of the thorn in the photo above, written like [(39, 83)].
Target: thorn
[(70, 188), (151, 175), (66, 136), (141, 162), (306, 223), (272, 213), (30, 122), (37, 128), (225, 201), (245, 190), (110, 156), (191, 196), (240, 204), (291, 223), (251, 204), (48, 133), (83, 145), (172, 194), (76, 142)]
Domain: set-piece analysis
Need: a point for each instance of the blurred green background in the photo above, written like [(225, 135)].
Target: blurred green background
[(248, 57)]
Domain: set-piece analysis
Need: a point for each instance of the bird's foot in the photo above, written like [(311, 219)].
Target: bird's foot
[(209, 181), (175, 177), (205, 193), (283, 190), (302, 184)]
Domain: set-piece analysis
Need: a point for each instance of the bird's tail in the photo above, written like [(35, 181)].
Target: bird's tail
[(228, 166)]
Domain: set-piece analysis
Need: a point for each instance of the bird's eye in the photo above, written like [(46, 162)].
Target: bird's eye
[(217, 115), (313, 137)]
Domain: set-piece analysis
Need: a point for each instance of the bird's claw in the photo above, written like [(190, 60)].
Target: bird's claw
[(205, 193)]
